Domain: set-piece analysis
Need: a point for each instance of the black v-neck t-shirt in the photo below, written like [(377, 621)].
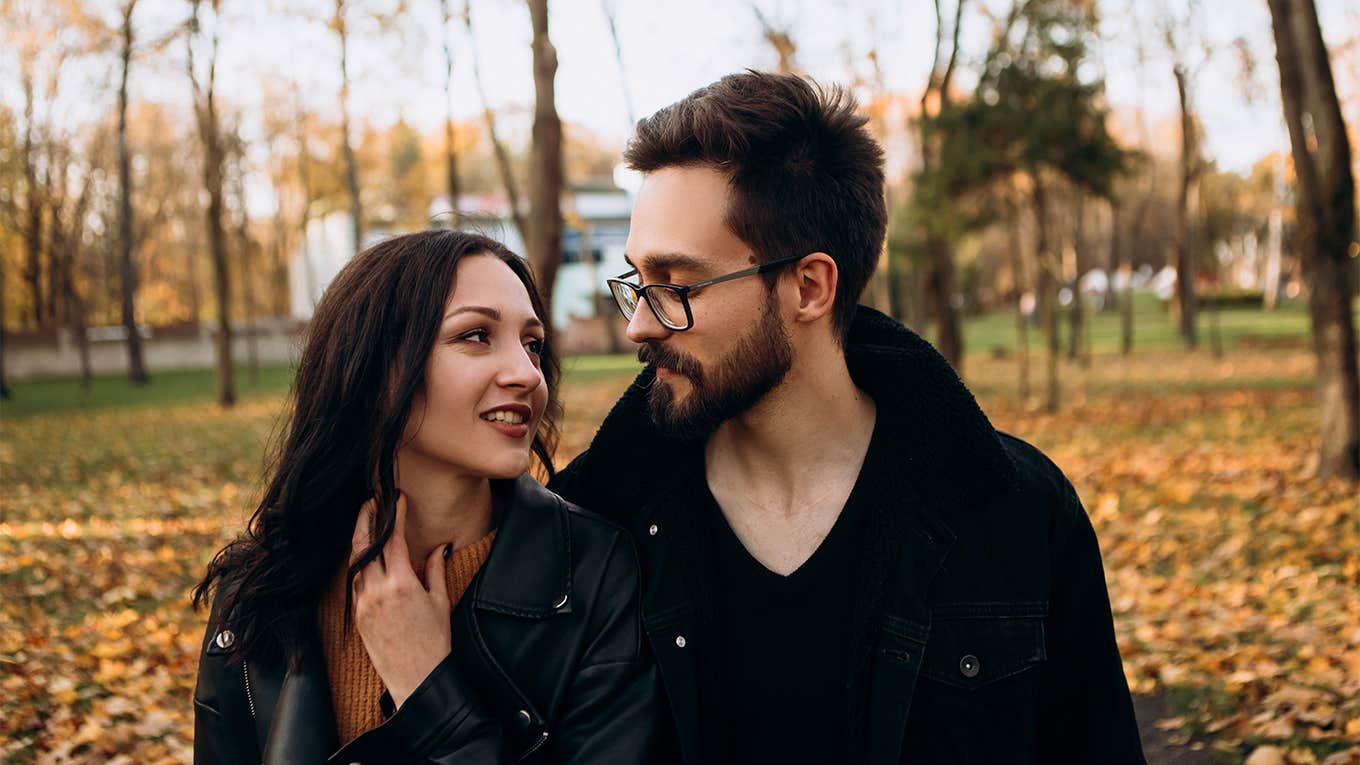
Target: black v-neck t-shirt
[(775, 659)]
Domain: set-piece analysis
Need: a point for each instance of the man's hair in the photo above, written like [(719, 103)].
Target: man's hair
[(805, 174)]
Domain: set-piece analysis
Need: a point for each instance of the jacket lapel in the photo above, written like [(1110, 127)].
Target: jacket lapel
[(903, 629)]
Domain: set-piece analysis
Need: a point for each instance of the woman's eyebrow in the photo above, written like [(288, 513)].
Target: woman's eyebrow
[(483, 310), (492, 313)]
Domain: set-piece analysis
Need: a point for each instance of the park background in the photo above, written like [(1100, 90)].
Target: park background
[(1131, 235)]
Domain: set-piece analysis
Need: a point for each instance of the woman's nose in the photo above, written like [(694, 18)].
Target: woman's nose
[(519, 370)]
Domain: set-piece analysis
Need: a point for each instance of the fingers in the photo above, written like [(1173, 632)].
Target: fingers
[(395, 550), (363, 525), (435, 581)]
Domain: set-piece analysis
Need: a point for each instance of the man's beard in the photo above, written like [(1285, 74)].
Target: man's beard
[(734, 384)]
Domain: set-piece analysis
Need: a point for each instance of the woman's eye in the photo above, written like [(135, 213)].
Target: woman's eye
[(476, 336), (535, 347)]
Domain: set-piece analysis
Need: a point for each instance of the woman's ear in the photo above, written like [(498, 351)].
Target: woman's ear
[(815, 277)]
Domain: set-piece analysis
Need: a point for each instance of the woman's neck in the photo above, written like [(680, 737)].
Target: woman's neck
[(442, 506)]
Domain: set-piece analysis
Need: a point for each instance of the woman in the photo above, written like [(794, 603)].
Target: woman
[(406, 592)]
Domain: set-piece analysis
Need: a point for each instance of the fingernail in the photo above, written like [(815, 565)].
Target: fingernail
[(448, 550)]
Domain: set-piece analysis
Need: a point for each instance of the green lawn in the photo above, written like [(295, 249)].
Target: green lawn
[(1153, 328), (987, 335)]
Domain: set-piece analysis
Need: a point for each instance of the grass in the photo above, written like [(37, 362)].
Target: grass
[(992, 334)]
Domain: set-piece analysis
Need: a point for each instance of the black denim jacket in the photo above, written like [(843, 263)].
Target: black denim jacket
[(983, 631), (548, 665)]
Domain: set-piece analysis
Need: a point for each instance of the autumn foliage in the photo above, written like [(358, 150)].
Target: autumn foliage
[(1234, 575)]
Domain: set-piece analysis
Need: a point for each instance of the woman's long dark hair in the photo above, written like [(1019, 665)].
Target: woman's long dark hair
[(361, 367)]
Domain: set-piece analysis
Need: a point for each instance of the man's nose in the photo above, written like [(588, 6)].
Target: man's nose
[(644, 325)]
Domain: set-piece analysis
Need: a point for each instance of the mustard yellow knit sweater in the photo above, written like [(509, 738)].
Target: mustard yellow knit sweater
[(355, 685)]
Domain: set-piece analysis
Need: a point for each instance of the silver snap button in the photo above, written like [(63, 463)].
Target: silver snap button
[(225, 639), (560, 603), (651, 530), (680, 641), (523, 718), (969, 666)]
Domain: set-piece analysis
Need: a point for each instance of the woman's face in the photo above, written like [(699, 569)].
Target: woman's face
[(484, 391)]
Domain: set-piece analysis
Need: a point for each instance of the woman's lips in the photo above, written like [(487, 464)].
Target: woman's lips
[(519, 430)]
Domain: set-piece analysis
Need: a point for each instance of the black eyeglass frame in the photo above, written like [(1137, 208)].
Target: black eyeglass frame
[(683, 291)]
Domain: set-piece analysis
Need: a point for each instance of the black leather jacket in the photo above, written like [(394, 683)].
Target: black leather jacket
[(549, 665)]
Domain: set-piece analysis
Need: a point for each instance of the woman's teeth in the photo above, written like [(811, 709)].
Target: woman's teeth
[(513, 418)]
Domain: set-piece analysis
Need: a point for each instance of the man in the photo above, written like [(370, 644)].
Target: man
[(843, 561)]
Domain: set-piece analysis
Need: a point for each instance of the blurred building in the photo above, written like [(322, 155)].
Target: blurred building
[(594, 234)]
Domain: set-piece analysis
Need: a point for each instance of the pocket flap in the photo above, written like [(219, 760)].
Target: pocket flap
[(972, 652)]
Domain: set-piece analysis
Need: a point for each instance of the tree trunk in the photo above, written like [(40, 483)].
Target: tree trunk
[(1326, 225), (1048, 297), (1185, 259), (33, 233), (128, 270), (205, 109), (1021, 321), (497, 146), (450, 149), (1076, 317), (545, 162), (4, 379), (356, 207), (939, 260), (247, 292), (940, 294)]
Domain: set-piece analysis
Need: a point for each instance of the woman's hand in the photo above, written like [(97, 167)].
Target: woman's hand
[(404, 625)]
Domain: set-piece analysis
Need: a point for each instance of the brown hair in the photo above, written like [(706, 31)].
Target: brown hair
[(361, 366), (806, 176)]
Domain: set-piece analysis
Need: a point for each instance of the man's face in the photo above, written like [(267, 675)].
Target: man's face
[(739, 348)]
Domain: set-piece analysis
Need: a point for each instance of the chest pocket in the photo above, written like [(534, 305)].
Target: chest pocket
[(971, 647)]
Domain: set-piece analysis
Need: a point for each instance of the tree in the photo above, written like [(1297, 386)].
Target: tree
[(450, 149), (127, 268), (498, 149), (1034, 115), (1326, 224), (1178, 29), (545, 161), (356, 207), (210, 134), (931, 206)]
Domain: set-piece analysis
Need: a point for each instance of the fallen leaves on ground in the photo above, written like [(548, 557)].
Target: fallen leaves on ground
[(1234, 575)]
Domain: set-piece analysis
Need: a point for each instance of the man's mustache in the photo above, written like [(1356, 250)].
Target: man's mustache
[(656, 354)]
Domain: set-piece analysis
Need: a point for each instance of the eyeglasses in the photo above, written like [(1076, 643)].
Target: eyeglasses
[(670, 302)]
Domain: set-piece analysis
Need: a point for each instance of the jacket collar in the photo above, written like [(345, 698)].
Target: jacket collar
[(534, 528), (946, 446)]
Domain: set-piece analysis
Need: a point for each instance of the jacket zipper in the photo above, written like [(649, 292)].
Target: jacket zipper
[(250, 698), (542, 739)]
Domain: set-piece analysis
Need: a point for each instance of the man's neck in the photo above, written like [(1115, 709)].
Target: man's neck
[(782, 472), (442, 506)]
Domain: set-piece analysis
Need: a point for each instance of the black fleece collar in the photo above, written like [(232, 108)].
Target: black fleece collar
[(945, 445)]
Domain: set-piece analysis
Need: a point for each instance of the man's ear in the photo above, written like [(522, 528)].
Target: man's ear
[(815, 277)]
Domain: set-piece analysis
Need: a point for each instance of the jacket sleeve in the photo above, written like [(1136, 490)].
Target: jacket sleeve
[(224, 732), (1087, 713), (611, 706), (609, 709), (441, 723)]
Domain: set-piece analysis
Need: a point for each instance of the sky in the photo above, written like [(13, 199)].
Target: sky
[(671, 47)]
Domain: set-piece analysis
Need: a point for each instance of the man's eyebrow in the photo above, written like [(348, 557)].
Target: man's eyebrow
[(492, 313), (667, 260)]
